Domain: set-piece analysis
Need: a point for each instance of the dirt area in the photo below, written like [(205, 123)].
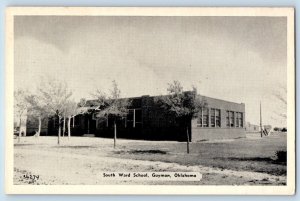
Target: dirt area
[(81, 160)]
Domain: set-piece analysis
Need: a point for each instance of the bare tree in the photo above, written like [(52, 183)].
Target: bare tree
[(38, 109), (20, 107), (112, 107), (73, 109), (183, 105), (54, 96), (279, 96)]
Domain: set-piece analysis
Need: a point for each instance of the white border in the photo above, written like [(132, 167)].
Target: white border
[(289, 189)]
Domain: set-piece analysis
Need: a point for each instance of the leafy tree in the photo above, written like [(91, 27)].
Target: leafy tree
[(182, 105), (20, 106), (112, 107), (54, 96)]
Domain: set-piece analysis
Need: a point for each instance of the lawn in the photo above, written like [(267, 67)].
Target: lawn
[(244, 155)]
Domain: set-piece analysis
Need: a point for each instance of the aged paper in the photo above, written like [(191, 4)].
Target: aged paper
[(140, 100)]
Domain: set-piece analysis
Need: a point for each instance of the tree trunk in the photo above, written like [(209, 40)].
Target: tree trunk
[(188, 140), (115, 134), (64, 126), (59, 131), (73, 121), (40, 127), (69, 128), (19, 138)]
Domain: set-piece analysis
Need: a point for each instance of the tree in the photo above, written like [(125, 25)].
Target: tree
[(20, 107), (280, 96), (54, 97), (37, 108), (71, 110), (182, 105), (112, 107)]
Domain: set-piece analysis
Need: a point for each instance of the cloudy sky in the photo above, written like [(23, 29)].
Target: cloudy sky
[(239, 59)]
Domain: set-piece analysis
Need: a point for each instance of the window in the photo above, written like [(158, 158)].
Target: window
[(203, 118), (129, 119), (134, 117), (218, 118), (76, 120), (229, 118), (239, 119), (213, 117), (137, 118), (199, 119)]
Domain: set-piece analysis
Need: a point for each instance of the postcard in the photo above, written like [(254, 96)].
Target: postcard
[(144, 100)]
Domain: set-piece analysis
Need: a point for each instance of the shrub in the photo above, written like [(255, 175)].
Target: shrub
[(280, 156), (277, 129)]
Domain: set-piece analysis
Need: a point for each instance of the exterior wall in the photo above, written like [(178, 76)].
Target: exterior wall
[(199, 134), (252, 128), (155, 124), (222, 132)]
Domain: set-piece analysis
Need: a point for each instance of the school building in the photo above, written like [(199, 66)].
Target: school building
[(145, 120)]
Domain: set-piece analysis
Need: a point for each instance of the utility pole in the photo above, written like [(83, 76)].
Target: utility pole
[(261, 131)]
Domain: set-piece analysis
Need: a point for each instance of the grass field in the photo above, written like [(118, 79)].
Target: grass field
[(245, 161)]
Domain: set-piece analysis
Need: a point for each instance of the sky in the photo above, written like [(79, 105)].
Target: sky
[(239, 59)]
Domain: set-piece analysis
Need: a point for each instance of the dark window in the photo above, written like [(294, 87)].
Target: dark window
[(199, 119), (213, 117), (134, 117), (239, 119), (76, 120), (205, 117), (231, 119), (227, 119), (130, 115), (129, 119), (218, 118), (138, 118)]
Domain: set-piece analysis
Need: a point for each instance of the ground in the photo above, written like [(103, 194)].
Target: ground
[(81, 160)]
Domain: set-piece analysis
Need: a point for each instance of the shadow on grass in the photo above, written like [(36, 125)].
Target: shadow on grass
[(152, 151), (23, 145), (255, 159), (74, 147)]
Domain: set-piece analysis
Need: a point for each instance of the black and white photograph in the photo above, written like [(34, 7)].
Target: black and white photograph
[(197, 101)]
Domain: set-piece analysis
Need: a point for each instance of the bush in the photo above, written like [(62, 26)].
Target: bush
[(284, 130), (280, 156), (277, 129)]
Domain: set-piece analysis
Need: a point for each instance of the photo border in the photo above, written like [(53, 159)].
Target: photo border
[(289, 189)]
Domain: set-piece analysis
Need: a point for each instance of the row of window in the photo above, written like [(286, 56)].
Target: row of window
[(207, 117), (133, 119), (233, 119), (203, 117)]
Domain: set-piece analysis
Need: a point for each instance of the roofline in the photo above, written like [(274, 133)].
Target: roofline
[(136, 97)]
